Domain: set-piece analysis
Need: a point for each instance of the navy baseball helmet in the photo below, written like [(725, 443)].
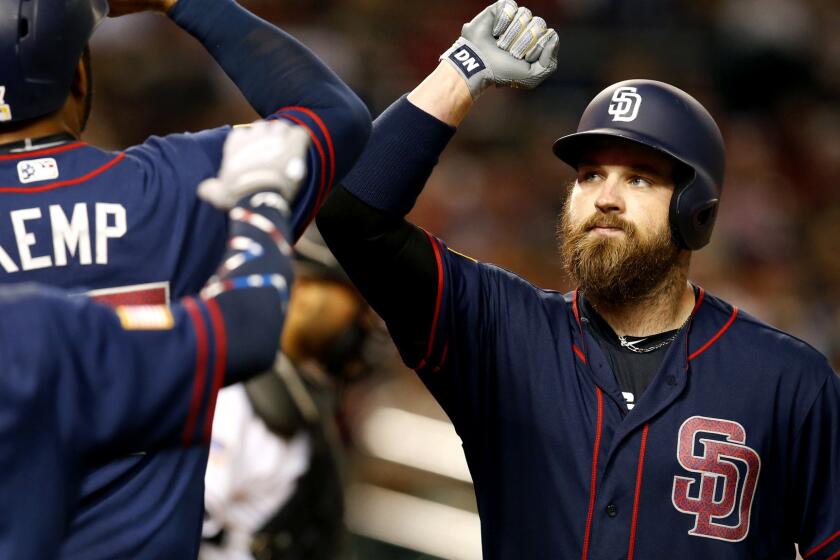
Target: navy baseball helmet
[(41, 42), (667, 119)]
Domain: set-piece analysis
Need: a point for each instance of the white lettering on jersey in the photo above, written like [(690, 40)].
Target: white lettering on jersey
[(33, 170), (25, 239), (74, 236), (7, 262), (629, 400), (71, 235), (104, 231)]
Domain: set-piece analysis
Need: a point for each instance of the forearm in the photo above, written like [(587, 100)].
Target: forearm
[(399, 158), (251, 288), (270, 67), (443, 95)]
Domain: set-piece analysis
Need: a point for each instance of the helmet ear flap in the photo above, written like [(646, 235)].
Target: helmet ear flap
[(693, 212)]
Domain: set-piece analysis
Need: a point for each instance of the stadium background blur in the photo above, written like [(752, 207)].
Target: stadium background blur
[(769, 71)]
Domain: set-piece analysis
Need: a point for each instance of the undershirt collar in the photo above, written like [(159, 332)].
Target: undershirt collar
[(31, 144), (606, 333)]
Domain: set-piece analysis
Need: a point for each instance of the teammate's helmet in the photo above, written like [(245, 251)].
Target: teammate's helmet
[(41, 42), (669, 120)]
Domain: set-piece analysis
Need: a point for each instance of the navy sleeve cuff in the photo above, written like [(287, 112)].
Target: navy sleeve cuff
[(399, 158)]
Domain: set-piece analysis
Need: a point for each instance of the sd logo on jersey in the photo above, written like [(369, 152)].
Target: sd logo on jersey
[(721, 499)]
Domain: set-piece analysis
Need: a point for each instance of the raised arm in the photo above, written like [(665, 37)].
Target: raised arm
[(136, 378), (395, 265), (282, 79)]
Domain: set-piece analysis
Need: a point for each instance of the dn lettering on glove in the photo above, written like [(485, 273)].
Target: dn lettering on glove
[(467, 61)]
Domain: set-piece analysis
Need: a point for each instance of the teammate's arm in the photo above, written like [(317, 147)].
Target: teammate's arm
[(393, 263), (280, 78), (143, 377)]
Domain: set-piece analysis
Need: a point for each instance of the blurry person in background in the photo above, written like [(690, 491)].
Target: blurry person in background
[(274, 485)]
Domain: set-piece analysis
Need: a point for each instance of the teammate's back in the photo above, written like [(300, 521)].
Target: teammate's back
[(128, 225)]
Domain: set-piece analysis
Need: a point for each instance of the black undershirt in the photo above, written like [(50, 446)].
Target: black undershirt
[(387, 258), (633, 370)]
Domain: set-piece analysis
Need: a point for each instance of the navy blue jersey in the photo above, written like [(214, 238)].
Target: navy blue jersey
[(732, 452), (128, 228), (76, 388)]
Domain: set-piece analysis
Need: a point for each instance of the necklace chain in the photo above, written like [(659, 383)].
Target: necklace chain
[(631, 344)]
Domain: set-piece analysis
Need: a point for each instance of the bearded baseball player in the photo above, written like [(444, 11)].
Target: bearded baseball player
[(81, 381), (638, 416), (127, 226)]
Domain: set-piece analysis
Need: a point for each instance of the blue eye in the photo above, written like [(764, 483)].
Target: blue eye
[(640, 182)]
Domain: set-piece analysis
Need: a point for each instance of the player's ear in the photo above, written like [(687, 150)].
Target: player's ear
[(80, 86)]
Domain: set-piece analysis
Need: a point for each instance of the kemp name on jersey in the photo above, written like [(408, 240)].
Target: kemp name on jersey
[(82, 236), (83, 218)]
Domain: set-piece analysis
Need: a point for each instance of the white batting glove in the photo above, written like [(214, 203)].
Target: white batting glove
[(505, 45), (264, 156)]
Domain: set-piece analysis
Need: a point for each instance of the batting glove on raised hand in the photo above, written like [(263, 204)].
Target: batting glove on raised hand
[(504, 45), (264, 156)]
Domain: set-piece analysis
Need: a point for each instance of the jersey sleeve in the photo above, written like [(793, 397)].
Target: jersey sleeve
[(459, 364), (119, 381), (816, 457), (282, 78)]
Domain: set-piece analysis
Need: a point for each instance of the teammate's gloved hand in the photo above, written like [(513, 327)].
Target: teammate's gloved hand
[(506, 46), (264, 156)]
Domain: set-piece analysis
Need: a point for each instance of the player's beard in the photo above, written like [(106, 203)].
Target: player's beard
[(622, 269)]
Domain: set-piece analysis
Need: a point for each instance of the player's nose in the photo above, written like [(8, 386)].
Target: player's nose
[(609, 197)]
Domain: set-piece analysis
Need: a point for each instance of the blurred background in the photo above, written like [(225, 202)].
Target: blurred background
[(768, 70)]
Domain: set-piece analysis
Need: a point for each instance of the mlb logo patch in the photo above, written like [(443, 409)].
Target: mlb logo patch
[(34, 170)]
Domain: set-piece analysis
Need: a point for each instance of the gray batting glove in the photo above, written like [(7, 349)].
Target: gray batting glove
[(504, 45), (264, 156)]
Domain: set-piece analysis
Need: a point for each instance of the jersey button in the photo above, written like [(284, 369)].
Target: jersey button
[(612, 510)]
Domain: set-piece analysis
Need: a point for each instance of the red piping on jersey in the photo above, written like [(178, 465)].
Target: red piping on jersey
[(200, 367), (716, 337), (320, 148), (631, 549), (68, 182), (594, 472), (438, 300), (327, 136), (834, 556), (219, 365), (44, 152), (823, 545), (579, 353), (575, 306)]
